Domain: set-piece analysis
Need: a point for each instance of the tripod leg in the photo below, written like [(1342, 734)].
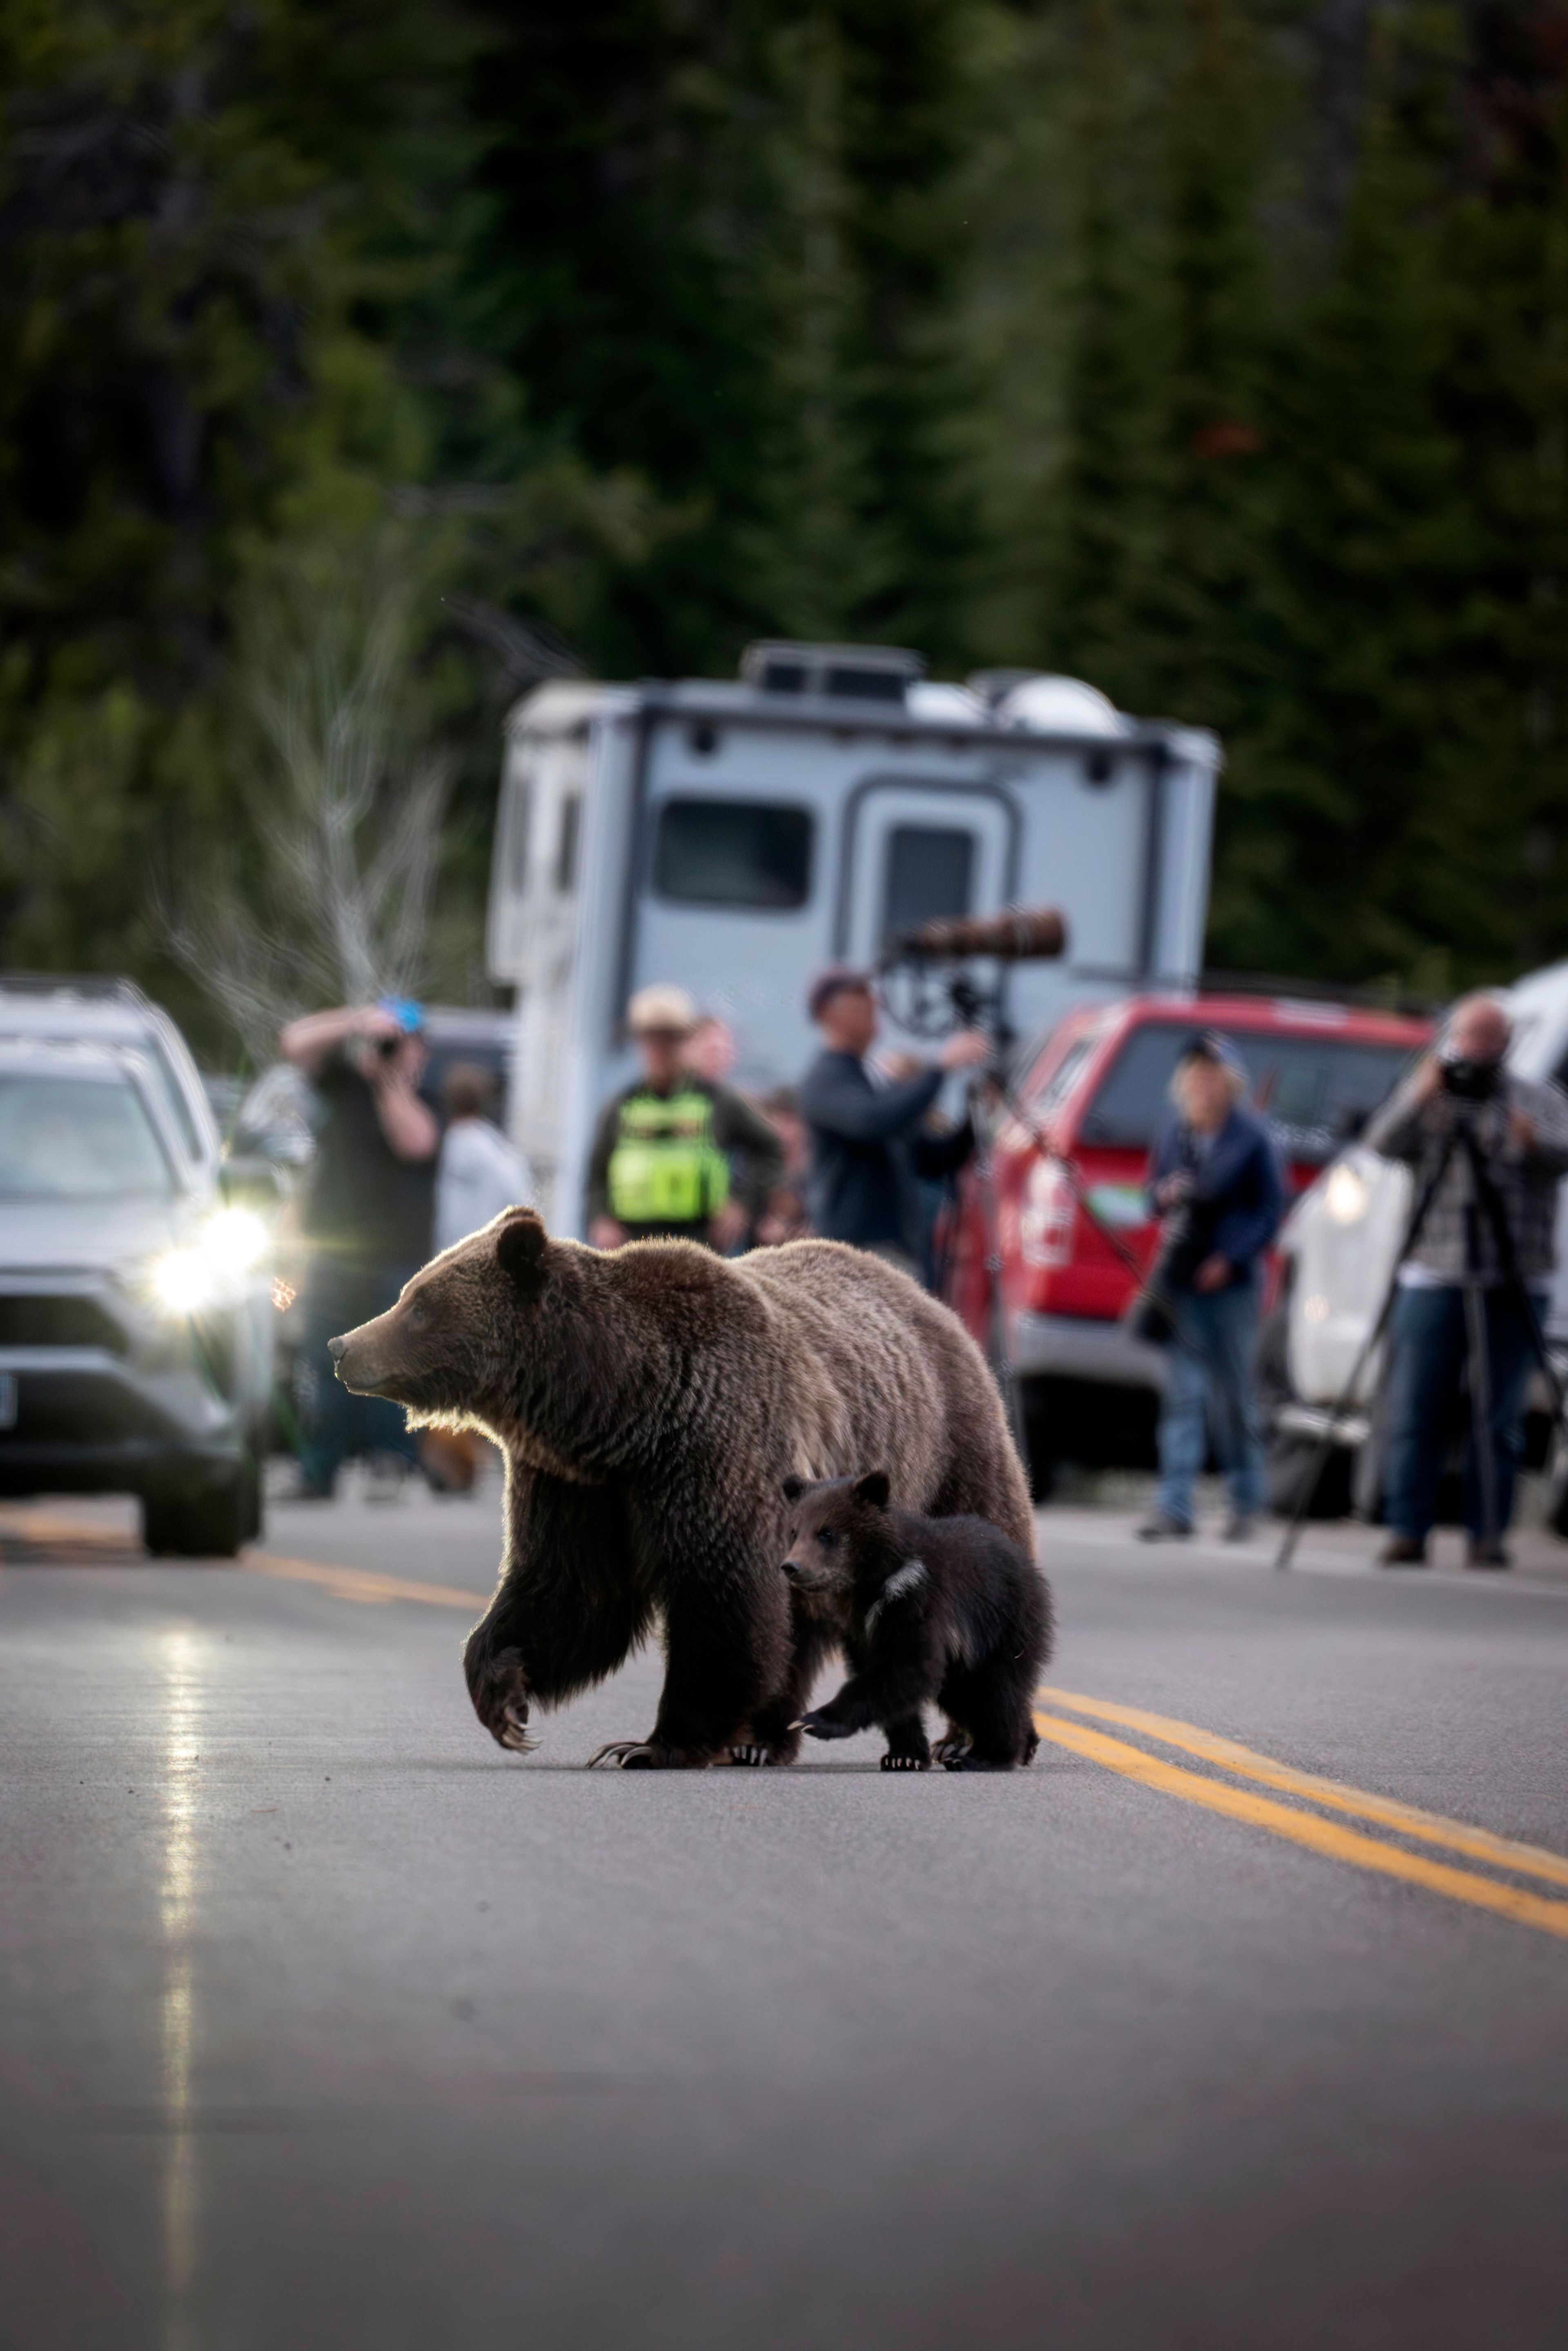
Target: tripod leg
[(1480, 1366)]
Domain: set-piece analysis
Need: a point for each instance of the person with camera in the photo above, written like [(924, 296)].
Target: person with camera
[(1488, 1147), (1216, 1182), (870, 1145), (366, 1221)]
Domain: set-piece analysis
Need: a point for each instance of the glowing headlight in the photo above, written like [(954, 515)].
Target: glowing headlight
[(1345, 1197), (235, 1238), (185, 1280)]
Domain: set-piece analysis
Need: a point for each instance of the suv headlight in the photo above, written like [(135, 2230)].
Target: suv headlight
[(212, 1271)]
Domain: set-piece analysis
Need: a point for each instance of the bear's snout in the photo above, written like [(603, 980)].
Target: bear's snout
[(335, 1348), (790, 1566)]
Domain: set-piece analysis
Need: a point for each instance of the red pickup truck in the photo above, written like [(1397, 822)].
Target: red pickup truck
[(1096, 1092)]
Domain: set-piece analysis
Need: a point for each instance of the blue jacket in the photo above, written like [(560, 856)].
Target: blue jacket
[(1239, 1190), (868, 1152)]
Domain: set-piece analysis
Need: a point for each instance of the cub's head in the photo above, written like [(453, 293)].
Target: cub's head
[(461, 1338), (834, 1523)]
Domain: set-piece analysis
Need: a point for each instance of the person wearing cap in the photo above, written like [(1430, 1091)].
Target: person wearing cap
[(1216, 1169), (676, 1157), (366, 1220), (869, 1145)]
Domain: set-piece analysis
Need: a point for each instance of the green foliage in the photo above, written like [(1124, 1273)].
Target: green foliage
[(1180, 343)]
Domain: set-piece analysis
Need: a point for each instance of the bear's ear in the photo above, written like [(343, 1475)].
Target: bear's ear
[(520, 1250), (875, 1489), (793, 1488)]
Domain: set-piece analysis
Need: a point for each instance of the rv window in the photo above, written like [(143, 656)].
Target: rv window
[(930, 872), (566, 844), (522, 803), (733, 853)]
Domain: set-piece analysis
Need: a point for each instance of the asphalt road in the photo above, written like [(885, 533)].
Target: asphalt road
[(326, 2026)]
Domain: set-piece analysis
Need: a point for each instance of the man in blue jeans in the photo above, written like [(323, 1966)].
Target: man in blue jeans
[(1520, 1133), (1216, 1169)]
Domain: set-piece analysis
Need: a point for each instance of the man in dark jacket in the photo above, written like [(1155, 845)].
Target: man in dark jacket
[(1216, 1169), (869, 1146), (675, 1156)]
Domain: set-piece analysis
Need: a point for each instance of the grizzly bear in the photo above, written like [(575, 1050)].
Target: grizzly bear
[(944, 1612), (649, 1404)]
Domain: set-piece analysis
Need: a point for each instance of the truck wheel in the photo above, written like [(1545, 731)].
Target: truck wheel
[(213, 1523), (1042, 1438)]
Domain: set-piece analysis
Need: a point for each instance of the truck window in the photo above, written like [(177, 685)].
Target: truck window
[(734, 854), (930, 872), (566, 845), (1315, 1092)]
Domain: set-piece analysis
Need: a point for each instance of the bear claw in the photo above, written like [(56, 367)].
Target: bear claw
[(751, 1754), (904, 1764)]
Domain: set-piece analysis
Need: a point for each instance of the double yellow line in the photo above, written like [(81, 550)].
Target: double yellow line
[(1299, 1825)]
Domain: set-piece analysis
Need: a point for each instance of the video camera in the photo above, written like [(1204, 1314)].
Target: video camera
[(933, 1003), (1467, 1080)]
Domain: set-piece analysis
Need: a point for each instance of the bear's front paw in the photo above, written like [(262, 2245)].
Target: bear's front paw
[(906, 1764), (821, 1725), (499, 1689)]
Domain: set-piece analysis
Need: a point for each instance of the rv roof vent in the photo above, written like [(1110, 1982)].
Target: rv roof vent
[(1059, 705), (847, 673)]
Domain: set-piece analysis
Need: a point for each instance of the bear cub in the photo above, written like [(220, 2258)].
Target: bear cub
[(943, 1610)]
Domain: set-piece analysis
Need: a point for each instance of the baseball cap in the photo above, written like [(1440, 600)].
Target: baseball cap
[(1209, 1045), (660, 1007), (832, 982)]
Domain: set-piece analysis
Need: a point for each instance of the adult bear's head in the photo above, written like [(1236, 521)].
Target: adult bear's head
[(468, 1340)]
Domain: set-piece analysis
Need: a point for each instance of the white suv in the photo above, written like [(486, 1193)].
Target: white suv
[(135, 1314)]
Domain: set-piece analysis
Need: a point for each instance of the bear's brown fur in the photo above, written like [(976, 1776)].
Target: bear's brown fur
[(649, 1404)]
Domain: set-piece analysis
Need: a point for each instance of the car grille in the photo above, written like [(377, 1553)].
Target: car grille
[(28, 1320)]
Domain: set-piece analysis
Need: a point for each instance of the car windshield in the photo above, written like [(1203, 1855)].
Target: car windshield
[(76, 1139), (1315, 1092)]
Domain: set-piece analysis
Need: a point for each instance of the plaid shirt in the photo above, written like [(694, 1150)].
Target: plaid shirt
[(1525, 1181)]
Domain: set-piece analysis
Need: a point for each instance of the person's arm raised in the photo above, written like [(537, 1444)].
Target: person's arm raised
[(309, 1041)]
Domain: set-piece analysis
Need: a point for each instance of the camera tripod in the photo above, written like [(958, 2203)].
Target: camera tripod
[(1484, 1201)]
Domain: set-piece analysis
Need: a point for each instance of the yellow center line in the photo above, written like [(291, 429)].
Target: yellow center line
[(1387, 1811), (1321, 1837), (362, 1584)]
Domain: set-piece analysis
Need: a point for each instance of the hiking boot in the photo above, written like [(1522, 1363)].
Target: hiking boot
[(1402, 1551), (1239, 1527), (1158, 1528), (1485, 1554)]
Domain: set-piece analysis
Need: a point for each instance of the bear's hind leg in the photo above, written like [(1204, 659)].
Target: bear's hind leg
[(992, 1702)]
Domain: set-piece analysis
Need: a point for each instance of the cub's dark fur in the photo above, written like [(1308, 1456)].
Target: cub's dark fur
[(945, 1610)]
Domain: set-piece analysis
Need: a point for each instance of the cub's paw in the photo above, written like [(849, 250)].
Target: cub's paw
[(499, 1689), (951, 1749), (906, 1764), (973, 1763), (821, 1724), (751, 1754)]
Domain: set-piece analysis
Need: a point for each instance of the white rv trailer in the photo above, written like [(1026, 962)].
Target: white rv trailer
[(734, 837)]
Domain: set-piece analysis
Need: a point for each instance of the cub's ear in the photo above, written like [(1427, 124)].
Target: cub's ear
[(520, 1250), (875, 1489), (793, 1488)]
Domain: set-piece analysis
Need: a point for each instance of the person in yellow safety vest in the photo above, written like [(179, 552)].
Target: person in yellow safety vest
[(661, 1166)]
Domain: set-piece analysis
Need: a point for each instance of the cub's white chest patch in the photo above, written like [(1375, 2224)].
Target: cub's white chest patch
[(910, 1577)]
